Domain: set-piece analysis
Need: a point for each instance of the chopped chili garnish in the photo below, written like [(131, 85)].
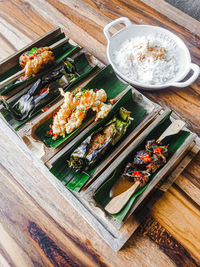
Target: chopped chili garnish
[(43, 90), (87, 93), (112, 101), (45, 109), (50, 132), (31, 123), (95, 90), (145, 158), (157, 149), (22, 77), (137, 174)]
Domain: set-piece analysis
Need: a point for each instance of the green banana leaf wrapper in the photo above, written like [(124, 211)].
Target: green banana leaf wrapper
[(81, 159)]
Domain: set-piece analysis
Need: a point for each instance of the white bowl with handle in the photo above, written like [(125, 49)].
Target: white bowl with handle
[(130, 31)]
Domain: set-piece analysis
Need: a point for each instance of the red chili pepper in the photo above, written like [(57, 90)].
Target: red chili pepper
[(95, 90), (157, 150), (22, 77), (50, 132), (137, 174), (145, 158), (112, 101), (43, 90)]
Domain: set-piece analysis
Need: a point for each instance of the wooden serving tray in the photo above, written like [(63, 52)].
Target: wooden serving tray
[(127, 156), (112, 231)]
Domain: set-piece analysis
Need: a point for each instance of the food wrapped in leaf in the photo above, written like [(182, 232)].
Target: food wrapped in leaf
[(95, 145), (43, 91)]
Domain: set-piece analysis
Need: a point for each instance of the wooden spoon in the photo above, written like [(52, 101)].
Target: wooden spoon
[(118, 202), (173, 128), (21, 72)]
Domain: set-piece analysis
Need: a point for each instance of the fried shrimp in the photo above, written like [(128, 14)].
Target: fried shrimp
[(63, 114), (75, 107), (76, 119)]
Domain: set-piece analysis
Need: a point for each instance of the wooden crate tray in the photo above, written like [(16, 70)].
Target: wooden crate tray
[(112, 231)]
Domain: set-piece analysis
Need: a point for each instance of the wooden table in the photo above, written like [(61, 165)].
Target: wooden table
[(38, 226)]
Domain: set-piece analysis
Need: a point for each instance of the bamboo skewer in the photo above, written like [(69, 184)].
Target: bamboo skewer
[(21, 72)]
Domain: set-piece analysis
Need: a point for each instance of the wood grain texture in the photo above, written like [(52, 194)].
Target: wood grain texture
[(188, 219), (32, 208), (29, 210)]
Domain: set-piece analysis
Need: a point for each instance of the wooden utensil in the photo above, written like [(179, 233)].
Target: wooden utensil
[(174, 128), (118, 202), (21, 72)]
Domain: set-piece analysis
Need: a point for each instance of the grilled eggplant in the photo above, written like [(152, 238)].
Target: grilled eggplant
[(43, 91), (94, 146)]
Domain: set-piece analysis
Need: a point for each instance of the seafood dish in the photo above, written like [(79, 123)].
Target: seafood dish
[(95, 145), (43, 91), (145, 163), (75, 107), (36, 59)]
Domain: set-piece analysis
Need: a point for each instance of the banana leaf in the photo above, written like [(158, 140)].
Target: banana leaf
[(105, 79), (102, 195), (75, 181), (83, 68), (60, 53)]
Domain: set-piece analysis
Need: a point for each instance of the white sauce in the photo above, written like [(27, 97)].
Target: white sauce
[(147, 60)]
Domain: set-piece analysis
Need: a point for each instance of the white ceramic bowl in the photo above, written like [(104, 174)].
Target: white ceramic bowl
[(129, 31)]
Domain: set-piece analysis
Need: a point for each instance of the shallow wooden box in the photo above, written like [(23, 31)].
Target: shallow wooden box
[(113, 232)]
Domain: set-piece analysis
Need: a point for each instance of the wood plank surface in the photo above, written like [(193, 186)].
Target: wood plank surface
[(38, 227)]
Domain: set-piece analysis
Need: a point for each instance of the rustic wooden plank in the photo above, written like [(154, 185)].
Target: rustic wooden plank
[(175, 14), (189, 188), (16, 25), (157, 233), (182, 224), (54, 247), (47, 218)]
